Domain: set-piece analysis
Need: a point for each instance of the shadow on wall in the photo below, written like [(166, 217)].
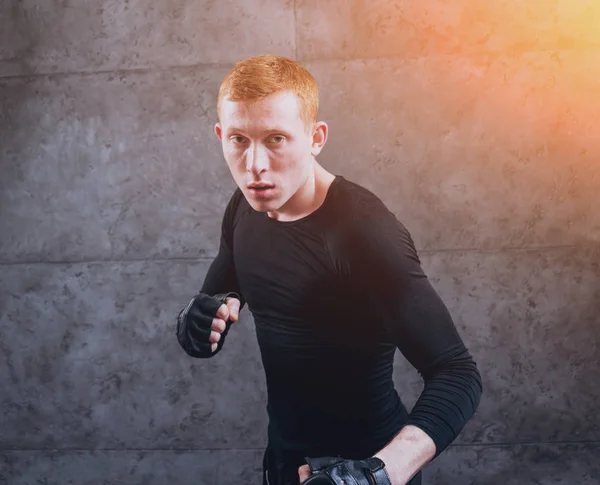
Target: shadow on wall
[(20, 38), (19, 41), (551, 411), (563, 464)]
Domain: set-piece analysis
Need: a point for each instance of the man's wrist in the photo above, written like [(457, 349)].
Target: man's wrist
[(406, 454), (395, 476)]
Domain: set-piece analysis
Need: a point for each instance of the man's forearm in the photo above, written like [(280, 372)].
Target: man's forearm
[(409, 451)]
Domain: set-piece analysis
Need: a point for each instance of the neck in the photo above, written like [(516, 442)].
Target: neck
[(308, 198)]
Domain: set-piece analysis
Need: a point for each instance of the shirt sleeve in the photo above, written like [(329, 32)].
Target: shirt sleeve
[(220, 279), (221, 276), (381, 263)]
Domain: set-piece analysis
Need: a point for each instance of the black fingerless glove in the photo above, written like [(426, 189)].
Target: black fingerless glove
[(194, 324), (337, 471)]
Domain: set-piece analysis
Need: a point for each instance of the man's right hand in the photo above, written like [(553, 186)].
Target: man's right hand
[(204, 322), (227, 311)]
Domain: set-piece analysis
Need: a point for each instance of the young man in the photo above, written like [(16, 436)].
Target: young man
[(335, 286)]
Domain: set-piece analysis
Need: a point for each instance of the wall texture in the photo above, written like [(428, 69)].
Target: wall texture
[(478, 123)]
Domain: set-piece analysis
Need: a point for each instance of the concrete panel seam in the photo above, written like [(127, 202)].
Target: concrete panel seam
[(488, 56), (131, 70), (176, 450), (296, 29), (216, 65), (202, 259), (504, 249)]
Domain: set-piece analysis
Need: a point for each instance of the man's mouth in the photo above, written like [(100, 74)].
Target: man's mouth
[(261, 190), (260, 186)]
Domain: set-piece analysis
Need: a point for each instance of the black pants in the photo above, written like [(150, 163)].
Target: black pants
[(277, 472)]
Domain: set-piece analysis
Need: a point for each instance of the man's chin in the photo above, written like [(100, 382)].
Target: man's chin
[(263, 205)]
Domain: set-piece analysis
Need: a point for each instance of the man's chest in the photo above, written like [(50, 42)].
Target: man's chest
[(284, 271)]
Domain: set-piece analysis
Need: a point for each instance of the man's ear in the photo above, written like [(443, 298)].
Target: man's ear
[(319, 138), (218, 130)]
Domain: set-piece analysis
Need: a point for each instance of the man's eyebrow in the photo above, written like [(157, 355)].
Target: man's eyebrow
[(268, 131)]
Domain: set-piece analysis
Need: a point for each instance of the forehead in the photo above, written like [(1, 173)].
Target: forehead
[(279, 110)]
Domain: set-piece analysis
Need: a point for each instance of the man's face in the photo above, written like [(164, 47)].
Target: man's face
[(265, 142)]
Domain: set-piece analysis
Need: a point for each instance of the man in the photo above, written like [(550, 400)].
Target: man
[(335, 286)]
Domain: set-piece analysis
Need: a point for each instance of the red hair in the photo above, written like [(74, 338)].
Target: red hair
[(260, 76)]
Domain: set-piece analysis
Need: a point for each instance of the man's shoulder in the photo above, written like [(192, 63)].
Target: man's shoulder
[(358, 206), (367, 227), (236, 207), (236, 198), (237, 202), (360, 217)]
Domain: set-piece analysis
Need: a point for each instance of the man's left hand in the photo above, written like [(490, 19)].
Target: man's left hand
[(303, 472), (337, 471)]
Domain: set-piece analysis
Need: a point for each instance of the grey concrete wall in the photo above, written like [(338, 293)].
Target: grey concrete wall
[(478, 123)]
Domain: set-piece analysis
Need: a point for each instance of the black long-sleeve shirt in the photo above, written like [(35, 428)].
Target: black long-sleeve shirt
[(333, 295)]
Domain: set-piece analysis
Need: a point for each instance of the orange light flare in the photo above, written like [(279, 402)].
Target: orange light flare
[(506, 65), (502, 95), (552, 73)]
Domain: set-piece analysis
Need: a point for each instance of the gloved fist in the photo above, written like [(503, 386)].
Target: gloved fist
[(203, 324), (337, 471)]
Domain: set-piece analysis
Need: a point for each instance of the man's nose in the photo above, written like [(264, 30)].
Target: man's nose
[(257, 159)]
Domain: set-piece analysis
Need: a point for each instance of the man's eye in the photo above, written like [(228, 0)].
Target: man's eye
[(278, 139), (238, 139)]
